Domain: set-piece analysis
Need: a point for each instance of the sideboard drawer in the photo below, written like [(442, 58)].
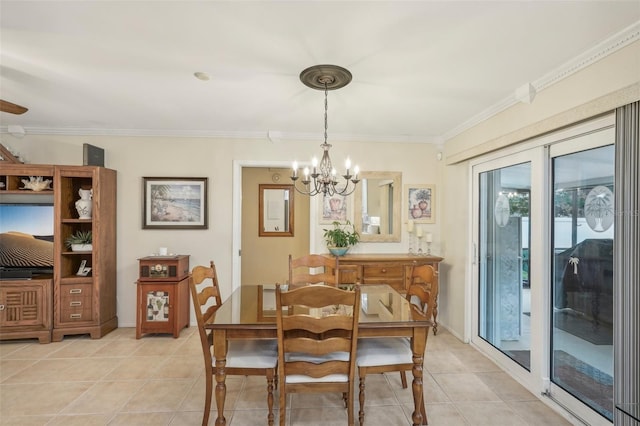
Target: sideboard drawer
[(76, 302), (391, 274), (382, 272)]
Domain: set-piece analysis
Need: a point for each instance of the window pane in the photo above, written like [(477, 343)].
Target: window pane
[(583, 216), (504, 294)]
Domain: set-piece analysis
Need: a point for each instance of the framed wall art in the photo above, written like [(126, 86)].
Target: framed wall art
[(334, 208), (175, 203), (420, 203)]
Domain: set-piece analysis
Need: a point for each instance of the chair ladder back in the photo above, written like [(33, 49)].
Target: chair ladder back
[(425, 298), (426, 276), (329, 275)]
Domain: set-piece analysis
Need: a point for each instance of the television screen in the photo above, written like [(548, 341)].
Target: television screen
[(26, 237)]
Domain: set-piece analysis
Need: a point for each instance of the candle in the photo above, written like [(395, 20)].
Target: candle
[(429, 237), (295, 168), (410, 226), (356, 170), (419, 232)]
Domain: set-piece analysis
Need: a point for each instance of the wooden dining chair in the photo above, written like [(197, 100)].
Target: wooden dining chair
[(427, 276), (317, 340), (300, 273), (244, 357), (424, 276), (388, 354)]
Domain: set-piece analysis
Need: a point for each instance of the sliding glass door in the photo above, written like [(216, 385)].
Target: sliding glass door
[(542, 295)]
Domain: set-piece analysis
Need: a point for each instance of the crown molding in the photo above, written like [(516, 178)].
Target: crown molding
[(269, 135), (599, 51)]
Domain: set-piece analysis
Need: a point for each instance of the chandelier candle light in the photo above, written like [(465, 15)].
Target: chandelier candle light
[(322, 179)]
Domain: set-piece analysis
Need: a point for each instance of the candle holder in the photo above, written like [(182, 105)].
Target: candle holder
[(428, 248), (420, 253), (410, 243)]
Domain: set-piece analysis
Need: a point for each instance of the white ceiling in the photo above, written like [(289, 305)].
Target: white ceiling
[(422, 70)]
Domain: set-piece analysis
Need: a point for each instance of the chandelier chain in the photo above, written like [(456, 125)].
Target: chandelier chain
[(326, 109)]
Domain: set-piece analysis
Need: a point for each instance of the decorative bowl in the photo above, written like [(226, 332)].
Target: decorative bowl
[(338, 251)]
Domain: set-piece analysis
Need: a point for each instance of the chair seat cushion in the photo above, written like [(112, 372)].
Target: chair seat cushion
[(384, 351), (252, 353), (300, 378)]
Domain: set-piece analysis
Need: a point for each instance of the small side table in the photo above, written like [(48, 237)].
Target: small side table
[(163, 295)]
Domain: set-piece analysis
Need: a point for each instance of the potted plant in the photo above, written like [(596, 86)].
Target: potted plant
[(340, 238), (80, 241)]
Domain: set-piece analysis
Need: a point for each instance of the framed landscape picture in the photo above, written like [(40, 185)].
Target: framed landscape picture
[(175, 203), (420, 203)]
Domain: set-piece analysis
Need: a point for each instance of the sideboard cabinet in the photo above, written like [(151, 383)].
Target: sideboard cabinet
[(392, 269)]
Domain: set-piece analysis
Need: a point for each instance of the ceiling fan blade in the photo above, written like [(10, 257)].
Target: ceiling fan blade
[(12, 108)]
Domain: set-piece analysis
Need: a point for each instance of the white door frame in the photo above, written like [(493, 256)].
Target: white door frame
[(236, 244)]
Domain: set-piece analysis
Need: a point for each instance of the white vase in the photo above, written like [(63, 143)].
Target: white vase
[(84, 204)]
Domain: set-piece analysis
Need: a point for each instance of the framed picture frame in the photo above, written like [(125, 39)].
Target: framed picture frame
[(420, 203), (175, 203), (334, 208), (276, 210)]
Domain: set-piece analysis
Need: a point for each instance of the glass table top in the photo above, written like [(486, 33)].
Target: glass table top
[(256, 304)]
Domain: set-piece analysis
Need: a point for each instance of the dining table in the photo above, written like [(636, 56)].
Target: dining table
[(250, 313)]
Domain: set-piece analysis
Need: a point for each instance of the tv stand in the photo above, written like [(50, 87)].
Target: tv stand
[(15, 275)]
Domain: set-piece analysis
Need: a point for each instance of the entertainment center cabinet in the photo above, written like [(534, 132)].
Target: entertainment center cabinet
[(70, 303), (25, 309)]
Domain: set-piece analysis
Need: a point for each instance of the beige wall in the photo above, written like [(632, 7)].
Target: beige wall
[(265, 259), (135, 157)]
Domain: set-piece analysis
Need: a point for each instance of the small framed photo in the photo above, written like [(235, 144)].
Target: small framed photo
[(175, 203), (334, 208), (420, 203)]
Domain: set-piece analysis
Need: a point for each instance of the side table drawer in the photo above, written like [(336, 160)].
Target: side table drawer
[(76, 302)]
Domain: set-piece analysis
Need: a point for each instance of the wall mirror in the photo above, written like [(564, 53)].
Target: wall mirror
[(377, 202), (275, 216)]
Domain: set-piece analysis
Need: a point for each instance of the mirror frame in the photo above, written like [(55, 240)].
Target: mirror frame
[(396, 177), (261, 210)]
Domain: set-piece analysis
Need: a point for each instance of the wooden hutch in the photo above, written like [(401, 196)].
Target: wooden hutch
[(67, 303)]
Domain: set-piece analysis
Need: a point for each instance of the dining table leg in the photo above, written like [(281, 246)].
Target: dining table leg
[(419, 341), (220, 353)]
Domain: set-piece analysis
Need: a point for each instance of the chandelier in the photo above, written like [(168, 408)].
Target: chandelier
[(322, 178)]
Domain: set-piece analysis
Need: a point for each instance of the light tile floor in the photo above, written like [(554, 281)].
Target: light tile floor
[(159, 380)]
